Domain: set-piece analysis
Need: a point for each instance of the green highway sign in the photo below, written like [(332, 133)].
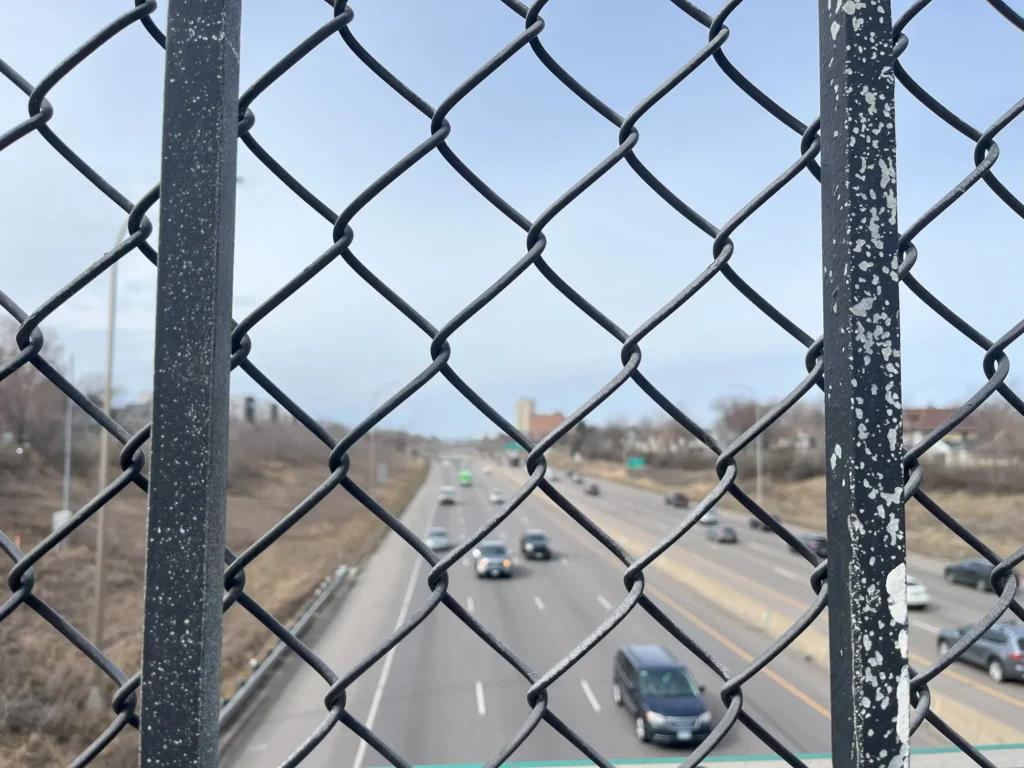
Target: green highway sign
[(512, 447), (636, 462)]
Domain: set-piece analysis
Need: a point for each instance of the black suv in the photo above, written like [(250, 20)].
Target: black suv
[(661, 694), (534, 545)]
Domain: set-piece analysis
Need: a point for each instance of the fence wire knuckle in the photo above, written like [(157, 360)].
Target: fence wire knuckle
[(724, 263)]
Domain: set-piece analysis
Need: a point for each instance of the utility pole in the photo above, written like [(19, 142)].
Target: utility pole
[(66, 497), (98, 584)]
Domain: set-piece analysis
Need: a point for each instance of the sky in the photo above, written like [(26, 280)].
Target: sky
[(339, 349)]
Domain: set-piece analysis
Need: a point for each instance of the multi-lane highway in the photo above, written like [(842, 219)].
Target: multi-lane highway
[(444, 697)]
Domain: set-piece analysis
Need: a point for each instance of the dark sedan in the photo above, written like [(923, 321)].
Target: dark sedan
[(535, 545), (677, 500), (999, 650), (759, 525), (723, 534), (815, 542), (973, 573), (592, 490)]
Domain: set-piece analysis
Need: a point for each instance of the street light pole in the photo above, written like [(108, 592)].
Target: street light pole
[(373, 433), (758, 451), (98, 588), (66, 496)]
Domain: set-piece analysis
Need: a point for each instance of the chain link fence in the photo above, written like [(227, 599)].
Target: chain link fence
[(192, 577)]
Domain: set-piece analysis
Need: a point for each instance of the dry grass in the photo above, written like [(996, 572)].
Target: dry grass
[(993, 517), (50, 691)]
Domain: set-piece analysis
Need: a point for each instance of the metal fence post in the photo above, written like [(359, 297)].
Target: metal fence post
[(870, 690), (185, 545)]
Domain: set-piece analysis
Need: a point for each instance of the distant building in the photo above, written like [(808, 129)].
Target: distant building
[(250, 410), (535, 425), (955, 448)]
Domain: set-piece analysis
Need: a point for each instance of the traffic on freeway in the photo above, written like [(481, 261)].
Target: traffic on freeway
[(442, 696)]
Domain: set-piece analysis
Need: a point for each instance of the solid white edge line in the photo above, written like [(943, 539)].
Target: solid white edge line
[(604, 602), (538, 602), (590, 695), (481, 708), (924, 625), (469, 604), (378, 692), (787, 574)]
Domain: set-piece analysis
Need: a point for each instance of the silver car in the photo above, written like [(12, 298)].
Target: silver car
[(438, 539), (999, 651)]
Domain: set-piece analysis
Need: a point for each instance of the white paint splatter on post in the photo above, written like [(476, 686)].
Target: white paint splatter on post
[(867, 550)]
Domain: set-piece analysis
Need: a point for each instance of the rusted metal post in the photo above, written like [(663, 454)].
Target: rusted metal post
[(863, 415), (185, 544)]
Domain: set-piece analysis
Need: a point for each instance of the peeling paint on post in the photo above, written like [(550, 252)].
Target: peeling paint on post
[(863, 412), (188, 485)]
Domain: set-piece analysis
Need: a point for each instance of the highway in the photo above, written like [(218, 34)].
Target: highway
[(764, 567), (444, 697)]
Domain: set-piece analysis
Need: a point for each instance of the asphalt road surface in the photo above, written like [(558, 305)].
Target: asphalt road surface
[(444, 697), (761, 565)]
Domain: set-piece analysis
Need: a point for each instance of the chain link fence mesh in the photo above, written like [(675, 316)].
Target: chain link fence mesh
[(339, 18)]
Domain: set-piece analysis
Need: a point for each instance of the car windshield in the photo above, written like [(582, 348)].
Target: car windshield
[(447, 491), (492, 550), (1020, 644), (912, 582), (535, 537), (667, 682), (437, 532)]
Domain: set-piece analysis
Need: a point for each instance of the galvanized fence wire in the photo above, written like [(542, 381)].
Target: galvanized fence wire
[(31, 342)]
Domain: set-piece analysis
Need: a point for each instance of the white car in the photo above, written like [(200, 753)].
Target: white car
[(917, 593), (438, 539), (710, 518), (497, 497), (487, 470)]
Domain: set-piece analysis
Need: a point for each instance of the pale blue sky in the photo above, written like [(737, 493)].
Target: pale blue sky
[(438, 243)]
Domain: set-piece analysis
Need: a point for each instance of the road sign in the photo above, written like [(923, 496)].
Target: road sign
[(636, 462), (512, 447)]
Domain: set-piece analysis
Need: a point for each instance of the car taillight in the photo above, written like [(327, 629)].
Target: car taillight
[(1017, 657)]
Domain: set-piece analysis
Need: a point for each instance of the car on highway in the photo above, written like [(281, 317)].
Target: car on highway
[(973, 572), (438, 539), (661, 695), (710, 518), (999, 650), (446, 495), (576, 477), (592, 489), (492, 560), (723, 534), (676, 499), (465, 478), (534, 545), (486, 470), (759, 525), (917, 593), (553, 476), (815, 542), (497, 497)]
